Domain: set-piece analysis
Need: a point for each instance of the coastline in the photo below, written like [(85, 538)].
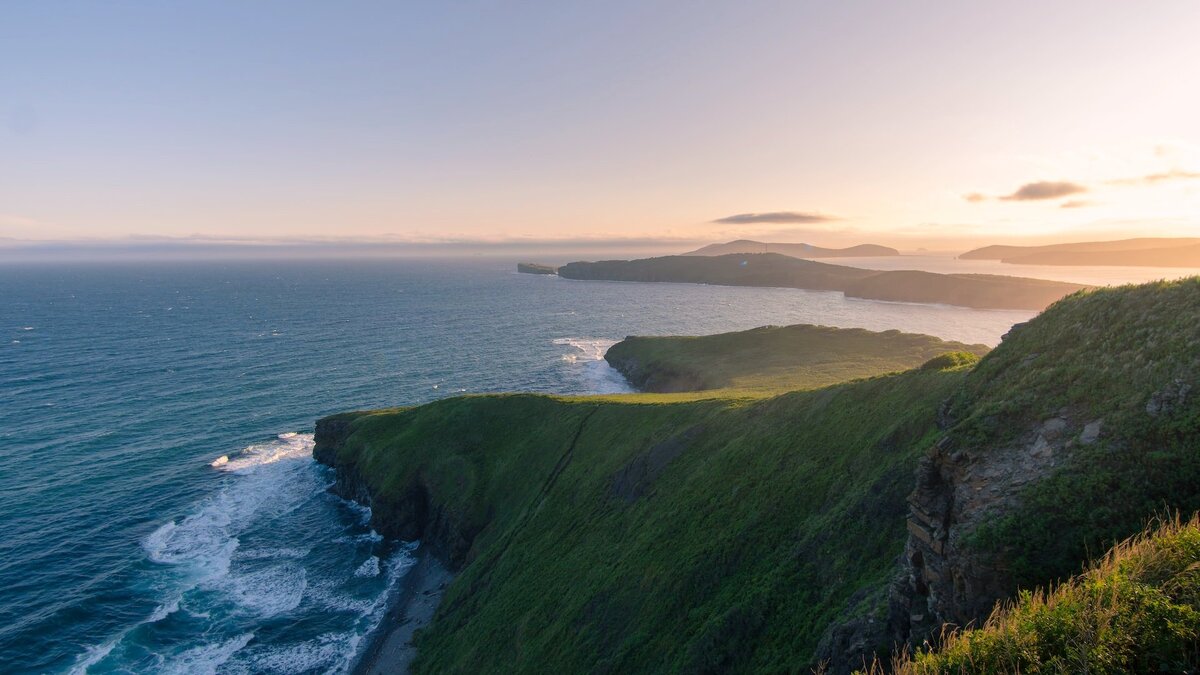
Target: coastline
[(390, 649)]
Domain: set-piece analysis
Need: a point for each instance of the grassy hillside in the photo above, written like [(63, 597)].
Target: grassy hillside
[(705, 532), (612, 535), (773, 358), (775, 270), (1136, 610)]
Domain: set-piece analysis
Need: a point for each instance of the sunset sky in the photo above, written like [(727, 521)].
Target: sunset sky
[(833, 123)]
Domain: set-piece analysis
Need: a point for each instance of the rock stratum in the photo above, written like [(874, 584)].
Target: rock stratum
[(834, 525), (980, 291)]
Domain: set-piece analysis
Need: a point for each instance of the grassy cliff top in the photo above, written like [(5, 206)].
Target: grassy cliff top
[(773, 359)]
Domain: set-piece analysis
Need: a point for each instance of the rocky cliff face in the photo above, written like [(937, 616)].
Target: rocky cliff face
[(943, 580), (410, 514)]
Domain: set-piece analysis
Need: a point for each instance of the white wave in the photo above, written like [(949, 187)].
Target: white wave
[(586, 349), (599, 377), (371, 537), (268, 592), (363, 511), (201, 542), (369, 568), (164, 610), (206, 659), (94, 655), (200, 563), (325, 653), (287, 446), (272, 553)]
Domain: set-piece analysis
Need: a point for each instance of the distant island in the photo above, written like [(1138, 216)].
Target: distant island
[(980, 291), (794, 250), (1144, 252), (535, 268)]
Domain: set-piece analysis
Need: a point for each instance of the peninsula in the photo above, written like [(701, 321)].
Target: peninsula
[(980, 291)]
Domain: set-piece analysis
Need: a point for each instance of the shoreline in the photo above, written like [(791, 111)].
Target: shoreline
[(390, 649)]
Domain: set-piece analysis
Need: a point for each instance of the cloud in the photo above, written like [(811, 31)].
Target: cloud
[(1075, 204), (775, 217), (1155, 178), (1046, 189), (975, 197)]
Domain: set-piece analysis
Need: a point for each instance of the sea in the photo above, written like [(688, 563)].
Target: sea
[(160, 510)]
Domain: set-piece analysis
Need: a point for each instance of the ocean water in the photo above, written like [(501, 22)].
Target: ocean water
[(159, 507)]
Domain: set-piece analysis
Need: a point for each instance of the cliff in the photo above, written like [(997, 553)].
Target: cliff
[(1082, 424), (794, 250), (772, 269)]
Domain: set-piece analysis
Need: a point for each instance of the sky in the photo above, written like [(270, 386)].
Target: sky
[(916, 124)]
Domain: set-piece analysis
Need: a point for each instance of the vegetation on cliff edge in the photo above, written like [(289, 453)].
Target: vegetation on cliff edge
[(1136, 610), (773, 359)]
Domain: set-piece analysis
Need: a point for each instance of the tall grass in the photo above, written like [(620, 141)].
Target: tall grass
[(1137, 610)]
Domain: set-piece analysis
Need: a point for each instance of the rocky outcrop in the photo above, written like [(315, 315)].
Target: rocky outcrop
[(413, 513), (536, 268), (943, 580)]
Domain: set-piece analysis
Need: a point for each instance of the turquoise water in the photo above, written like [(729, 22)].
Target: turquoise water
[(159, 507)]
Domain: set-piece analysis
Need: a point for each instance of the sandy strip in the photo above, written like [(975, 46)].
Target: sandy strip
[(392, 650)]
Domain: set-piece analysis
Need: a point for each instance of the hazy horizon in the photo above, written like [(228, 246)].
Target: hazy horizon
[(640, 129)]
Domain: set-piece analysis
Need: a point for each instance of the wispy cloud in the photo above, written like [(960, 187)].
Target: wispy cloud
[(1076, 204), (1045, 189), (1155, 178), (789, 217)]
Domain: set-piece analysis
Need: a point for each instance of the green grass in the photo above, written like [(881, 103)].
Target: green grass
[(1135, 611), (1102, 355), (767, 517), (768, 360)]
